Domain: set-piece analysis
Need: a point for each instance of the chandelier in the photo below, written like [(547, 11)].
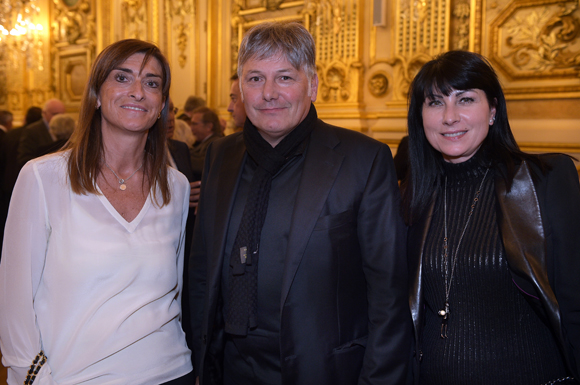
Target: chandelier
[(19, 35)]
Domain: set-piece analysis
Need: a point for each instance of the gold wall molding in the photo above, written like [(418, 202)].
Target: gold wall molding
[(134, 19), (336, 26), (73, 48), (178, 12), (461, 17), (536, 46), (422, 30)]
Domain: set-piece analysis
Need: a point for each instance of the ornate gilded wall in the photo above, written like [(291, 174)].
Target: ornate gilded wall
[(367, 53)]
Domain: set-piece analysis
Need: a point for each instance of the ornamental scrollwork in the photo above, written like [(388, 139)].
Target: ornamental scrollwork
[(134, 17), (544, 42), (182, 9), (462, 12), (73, 23), (378, 84)]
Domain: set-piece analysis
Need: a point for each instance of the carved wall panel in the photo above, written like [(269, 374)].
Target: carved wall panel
[(134, 18), (179, 13), (418, 30), (536, 46), (336, 28), (73, 42)]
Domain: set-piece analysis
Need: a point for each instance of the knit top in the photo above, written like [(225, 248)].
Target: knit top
[(493, 334)]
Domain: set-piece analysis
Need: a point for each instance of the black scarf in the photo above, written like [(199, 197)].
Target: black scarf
[(243, 273)]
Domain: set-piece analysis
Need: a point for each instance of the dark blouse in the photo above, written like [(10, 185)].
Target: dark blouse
[(494, 336)]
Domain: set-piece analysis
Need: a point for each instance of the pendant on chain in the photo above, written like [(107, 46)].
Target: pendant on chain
[(445, 314)]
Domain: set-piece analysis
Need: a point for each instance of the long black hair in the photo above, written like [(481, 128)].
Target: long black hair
[(454, 70)]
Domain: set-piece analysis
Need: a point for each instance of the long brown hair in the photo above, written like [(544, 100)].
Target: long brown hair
[(86, 144)]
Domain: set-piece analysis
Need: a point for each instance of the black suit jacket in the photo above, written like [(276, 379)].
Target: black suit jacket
[(10, 170), (344, 310), (34, 136), (180, 154), (539, 224)]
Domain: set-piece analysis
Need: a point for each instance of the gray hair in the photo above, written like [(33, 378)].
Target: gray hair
[(289, 39), (61, 126)]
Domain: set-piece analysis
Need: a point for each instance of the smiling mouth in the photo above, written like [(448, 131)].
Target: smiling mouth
[(454, 134), (133, 108)]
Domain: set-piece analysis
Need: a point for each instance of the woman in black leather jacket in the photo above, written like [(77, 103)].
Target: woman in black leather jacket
[(494, 237)]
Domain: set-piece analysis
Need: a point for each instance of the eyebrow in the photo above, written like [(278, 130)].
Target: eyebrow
[(130, 71), (281, 70), (454, 92)]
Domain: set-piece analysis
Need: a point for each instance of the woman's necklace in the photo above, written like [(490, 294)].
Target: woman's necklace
[(122, 182), (449, 278)]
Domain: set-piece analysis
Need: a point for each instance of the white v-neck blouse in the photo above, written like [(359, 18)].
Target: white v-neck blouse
[(99, 295)]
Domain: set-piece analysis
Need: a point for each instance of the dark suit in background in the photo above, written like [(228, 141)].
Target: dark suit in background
[(180, 154), (33, 137), (11, 169), (198, 152)]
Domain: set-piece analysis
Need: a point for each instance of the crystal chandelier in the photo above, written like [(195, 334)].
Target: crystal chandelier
[(19, 35)]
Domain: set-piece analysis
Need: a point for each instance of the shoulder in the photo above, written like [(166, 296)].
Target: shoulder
[(348, 142), (177, 144), (176, 178), (50, 172), (49, 164), (556, 167), (39, 124), (222, 142)]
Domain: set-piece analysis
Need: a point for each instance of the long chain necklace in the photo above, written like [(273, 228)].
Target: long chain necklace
[(122, 182), (449, 278)]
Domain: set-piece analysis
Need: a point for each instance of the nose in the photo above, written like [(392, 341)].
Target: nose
[(137, 91), (450, 115), (231, 107), (270, 91)]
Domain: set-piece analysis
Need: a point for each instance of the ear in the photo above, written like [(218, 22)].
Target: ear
[(492, 111), (313, 87)]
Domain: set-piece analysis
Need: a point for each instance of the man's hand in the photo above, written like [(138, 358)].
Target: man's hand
[(194, 194)]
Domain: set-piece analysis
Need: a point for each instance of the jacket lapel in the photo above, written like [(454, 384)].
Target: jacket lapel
[(418, 233), (321, 167), (522, 231)]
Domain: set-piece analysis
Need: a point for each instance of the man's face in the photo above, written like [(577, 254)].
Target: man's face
[(200, 129), (276, 96), (236, 106), (51, 109)]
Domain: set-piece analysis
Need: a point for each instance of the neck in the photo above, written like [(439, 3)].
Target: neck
[(124, 156)]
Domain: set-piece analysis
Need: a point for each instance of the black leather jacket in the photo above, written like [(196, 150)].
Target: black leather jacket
[(539, 220)]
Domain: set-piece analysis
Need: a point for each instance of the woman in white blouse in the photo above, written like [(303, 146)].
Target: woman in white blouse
[(91, 271)]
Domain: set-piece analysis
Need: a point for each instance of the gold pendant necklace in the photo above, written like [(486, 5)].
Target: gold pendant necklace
[(122, 182)]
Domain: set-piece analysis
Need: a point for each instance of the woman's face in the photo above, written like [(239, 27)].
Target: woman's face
[(456, 125), (130, 99)]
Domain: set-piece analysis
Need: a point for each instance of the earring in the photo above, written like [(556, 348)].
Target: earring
[(159, 116), (491, 121)]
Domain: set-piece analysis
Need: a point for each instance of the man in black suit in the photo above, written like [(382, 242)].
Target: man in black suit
[(298, 266), (37, 134)]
